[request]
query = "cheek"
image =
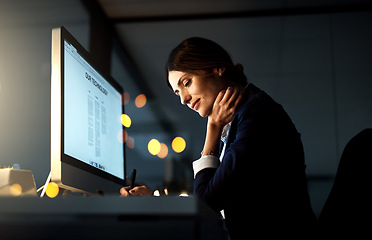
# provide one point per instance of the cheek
(206, 90)
(207, 105)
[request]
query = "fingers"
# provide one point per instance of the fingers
(231, 96)
(140, 190)
(136, 191)
(124, 191)
(220, 96)
(225, 105)
(239, 97)
(229, 92)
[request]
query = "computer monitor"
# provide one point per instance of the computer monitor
(87, 150)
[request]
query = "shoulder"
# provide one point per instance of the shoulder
(255, 100)
(259, 113)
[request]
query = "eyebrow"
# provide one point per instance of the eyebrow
(180, 80)
(179, 83)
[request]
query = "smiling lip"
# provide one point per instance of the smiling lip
(195, 105)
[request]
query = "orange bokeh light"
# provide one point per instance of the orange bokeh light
(15, 189)
(140, 100)
(130, 142)
(163, 151)
(122, 136)
(125, 98)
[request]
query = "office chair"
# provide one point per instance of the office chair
(348, 209)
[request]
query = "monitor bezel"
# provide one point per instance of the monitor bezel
(61, 162)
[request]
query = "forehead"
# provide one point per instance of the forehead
(174, 77)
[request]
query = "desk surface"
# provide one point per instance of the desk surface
(106, 205)
(111, 214)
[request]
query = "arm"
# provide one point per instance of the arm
(223, 111)
(214, 184)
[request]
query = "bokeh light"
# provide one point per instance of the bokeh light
(154, 146)
(140, 100)
(125, 120)
(178, 144)
(156, 193)
(130, 142)
(183, 194)
(125, 98)
(122, 136)
(15, 189)
(52, 190)
(163, 151)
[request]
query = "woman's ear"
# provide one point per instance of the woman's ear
(220, 71)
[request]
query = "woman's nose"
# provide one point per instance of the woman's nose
(185, 98)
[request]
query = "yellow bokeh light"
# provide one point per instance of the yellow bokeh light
(125, 120)
(154, 146)
(163, 151)
(140, 100)
(178, 144)
(52, 190)
(15, 189)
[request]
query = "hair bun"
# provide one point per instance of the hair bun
(239, 74)
(239, 67)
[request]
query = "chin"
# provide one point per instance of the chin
(203, 114)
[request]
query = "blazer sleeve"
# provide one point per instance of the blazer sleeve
(212, 184)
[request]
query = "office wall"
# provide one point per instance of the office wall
(25, 52)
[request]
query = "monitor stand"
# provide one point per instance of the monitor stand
(44, 187)
(62, 191)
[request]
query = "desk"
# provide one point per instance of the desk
(109, 217)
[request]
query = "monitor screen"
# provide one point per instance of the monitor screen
(92, 109)
(89, 154)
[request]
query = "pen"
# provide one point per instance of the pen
(133, 178)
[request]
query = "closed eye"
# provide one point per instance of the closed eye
(187, 82)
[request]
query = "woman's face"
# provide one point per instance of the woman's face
(197, 91)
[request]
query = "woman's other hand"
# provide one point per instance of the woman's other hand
(136, 191)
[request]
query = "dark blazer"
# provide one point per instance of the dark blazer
(261, 181)
(347, 211)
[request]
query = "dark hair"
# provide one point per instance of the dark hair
(195, 54)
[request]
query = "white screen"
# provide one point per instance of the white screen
(92, 112)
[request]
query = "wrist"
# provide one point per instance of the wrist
(214, 126)
(212, 140)
(209, 153)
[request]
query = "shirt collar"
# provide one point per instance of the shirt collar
(225, 132)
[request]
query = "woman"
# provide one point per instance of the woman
(256, 174)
